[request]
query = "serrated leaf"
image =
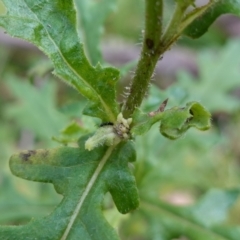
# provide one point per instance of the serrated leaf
(218, 7)
(51, 26)
(92, 15)
(83, 178)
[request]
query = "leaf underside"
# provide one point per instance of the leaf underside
(201, 24)
(51, 26)
(70, 170)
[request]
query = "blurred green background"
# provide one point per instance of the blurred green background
(35, 107)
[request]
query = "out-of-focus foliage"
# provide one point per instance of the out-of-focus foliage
(199, 221)
(36, 110)
(199, 170)
(92, 15)
(213, 85)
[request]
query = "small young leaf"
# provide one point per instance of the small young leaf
(110, 134)
(51, 26)
(143, 122)
(201, 24)
(176, 121)
(83, 178)
(103, 136)
(70, 134)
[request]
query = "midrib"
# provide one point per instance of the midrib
(108, 110)
(86, 191)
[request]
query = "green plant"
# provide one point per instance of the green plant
(100, 162)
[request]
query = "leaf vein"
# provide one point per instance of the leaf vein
(88, 188)
(108, 110)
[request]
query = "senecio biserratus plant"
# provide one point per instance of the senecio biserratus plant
(84, 174)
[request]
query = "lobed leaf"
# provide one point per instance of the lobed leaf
(51, 26)
(175, 121)
(216, 8)
(83, 178)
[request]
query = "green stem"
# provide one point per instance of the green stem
(154, 45)
(174, 23)
(170, 37)
(149, 56)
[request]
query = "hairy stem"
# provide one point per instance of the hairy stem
(155, 44)
(149, 56)
(179, 24)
